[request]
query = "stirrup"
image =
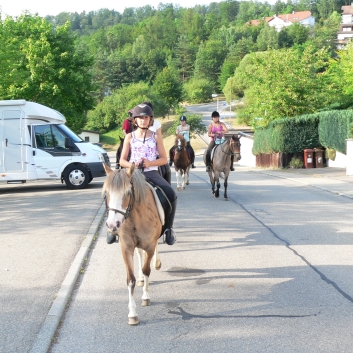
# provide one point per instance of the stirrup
(112, 238)
(192, 165)
(169, 236)
(170, 163)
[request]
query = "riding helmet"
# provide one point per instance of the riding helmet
(183, 118)
(142, 110)
(215, 114)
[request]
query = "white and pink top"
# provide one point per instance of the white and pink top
(141, 148)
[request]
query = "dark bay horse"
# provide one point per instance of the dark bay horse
(132, 212)
(221, 162)
(182, 162)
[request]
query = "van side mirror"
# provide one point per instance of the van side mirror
(68, 143)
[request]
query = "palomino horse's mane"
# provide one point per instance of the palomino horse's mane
(120, 182)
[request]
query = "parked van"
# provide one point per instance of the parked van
(36, 144)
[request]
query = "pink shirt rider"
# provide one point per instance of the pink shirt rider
(217, 130)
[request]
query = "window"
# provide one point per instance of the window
(87, 138)
(49, 136)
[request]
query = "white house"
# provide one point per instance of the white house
(281, 21)
(345, 32)
(90, 136)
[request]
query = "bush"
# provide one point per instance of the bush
(296, 163)
(198, 91)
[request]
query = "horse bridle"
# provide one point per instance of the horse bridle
(128, 210)
(231, 153)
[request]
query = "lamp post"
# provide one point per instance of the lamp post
(214, 96)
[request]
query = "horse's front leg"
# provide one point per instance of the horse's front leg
(140, 258)
(225, 187)
(218, 184)
(183, 180)
(128, 256)
(179, 179)
(212, 180)
(146, 300)
(187, 176)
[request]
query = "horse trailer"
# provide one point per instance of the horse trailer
(37, 145)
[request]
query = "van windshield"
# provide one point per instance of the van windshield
(69, 133)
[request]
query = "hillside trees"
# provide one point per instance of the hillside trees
(281, 83)
(40, 63)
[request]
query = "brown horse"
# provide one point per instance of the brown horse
(182, 162)
(132, 212)
(221, 162)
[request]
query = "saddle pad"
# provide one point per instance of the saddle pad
(213, 151)
(158, 203)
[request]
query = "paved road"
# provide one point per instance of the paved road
(42, 227)
(268, 271)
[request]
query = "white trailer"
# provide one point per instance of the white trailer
(35, 144)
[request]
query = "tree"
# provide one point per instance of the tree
(198, 90)
(209, 60)
(169, 87)
(42, 65)
(282, 83)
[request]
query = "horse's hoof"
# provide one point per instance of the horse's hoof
(187, 183)
(140, 283)
(179, 188)
(158, 266)
(134, 320)
(146, 302)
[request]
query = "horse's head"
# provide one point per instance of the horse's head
(234, 144)
(180, 143)
(119, 190)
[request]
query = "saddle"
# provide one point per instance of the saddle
(162, 202)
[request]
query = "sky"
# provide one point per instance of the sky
(44, 8)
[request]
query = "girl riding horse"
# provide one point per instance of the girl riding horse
(145, 146)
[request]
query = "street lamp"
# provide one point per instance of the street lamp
(214, 96)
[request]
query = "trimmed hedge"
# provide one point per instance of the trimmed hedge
(293, 135)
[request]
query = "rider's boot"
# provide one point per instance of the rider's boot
(169, 234)
(111, 238)
(171, 155)
(208, 162)
(192, 160)
(231, 162)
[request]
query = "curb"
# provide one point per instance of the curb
(47, 331)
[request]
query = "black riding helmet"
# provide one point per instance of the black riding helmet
(143, 110)
(183, 118)
(215, 114)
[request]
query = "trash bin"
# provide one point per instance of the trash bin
(319, 157)
(309, 158)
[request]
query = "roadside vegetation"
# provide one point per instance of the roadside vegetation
(93, 67)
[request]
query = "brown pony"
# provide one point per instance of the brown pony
(182, 162)
(221, 162)
(132, 212)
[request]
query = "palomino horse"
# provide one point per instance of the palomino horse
(182, 162)
(132, 212)
(221, 162)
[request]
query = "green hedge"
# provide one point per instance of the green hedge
(293, 135)
(288, 135)
(335, 128)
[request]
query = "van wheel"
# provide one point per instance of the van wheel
(76, 177)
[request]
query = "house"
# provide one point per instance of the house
(90, 136)
(280, 21)
(345, 32)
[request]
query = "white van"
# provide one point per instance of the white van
(35, 144)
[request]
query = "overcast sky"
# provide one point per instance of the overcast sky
(43, 8)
